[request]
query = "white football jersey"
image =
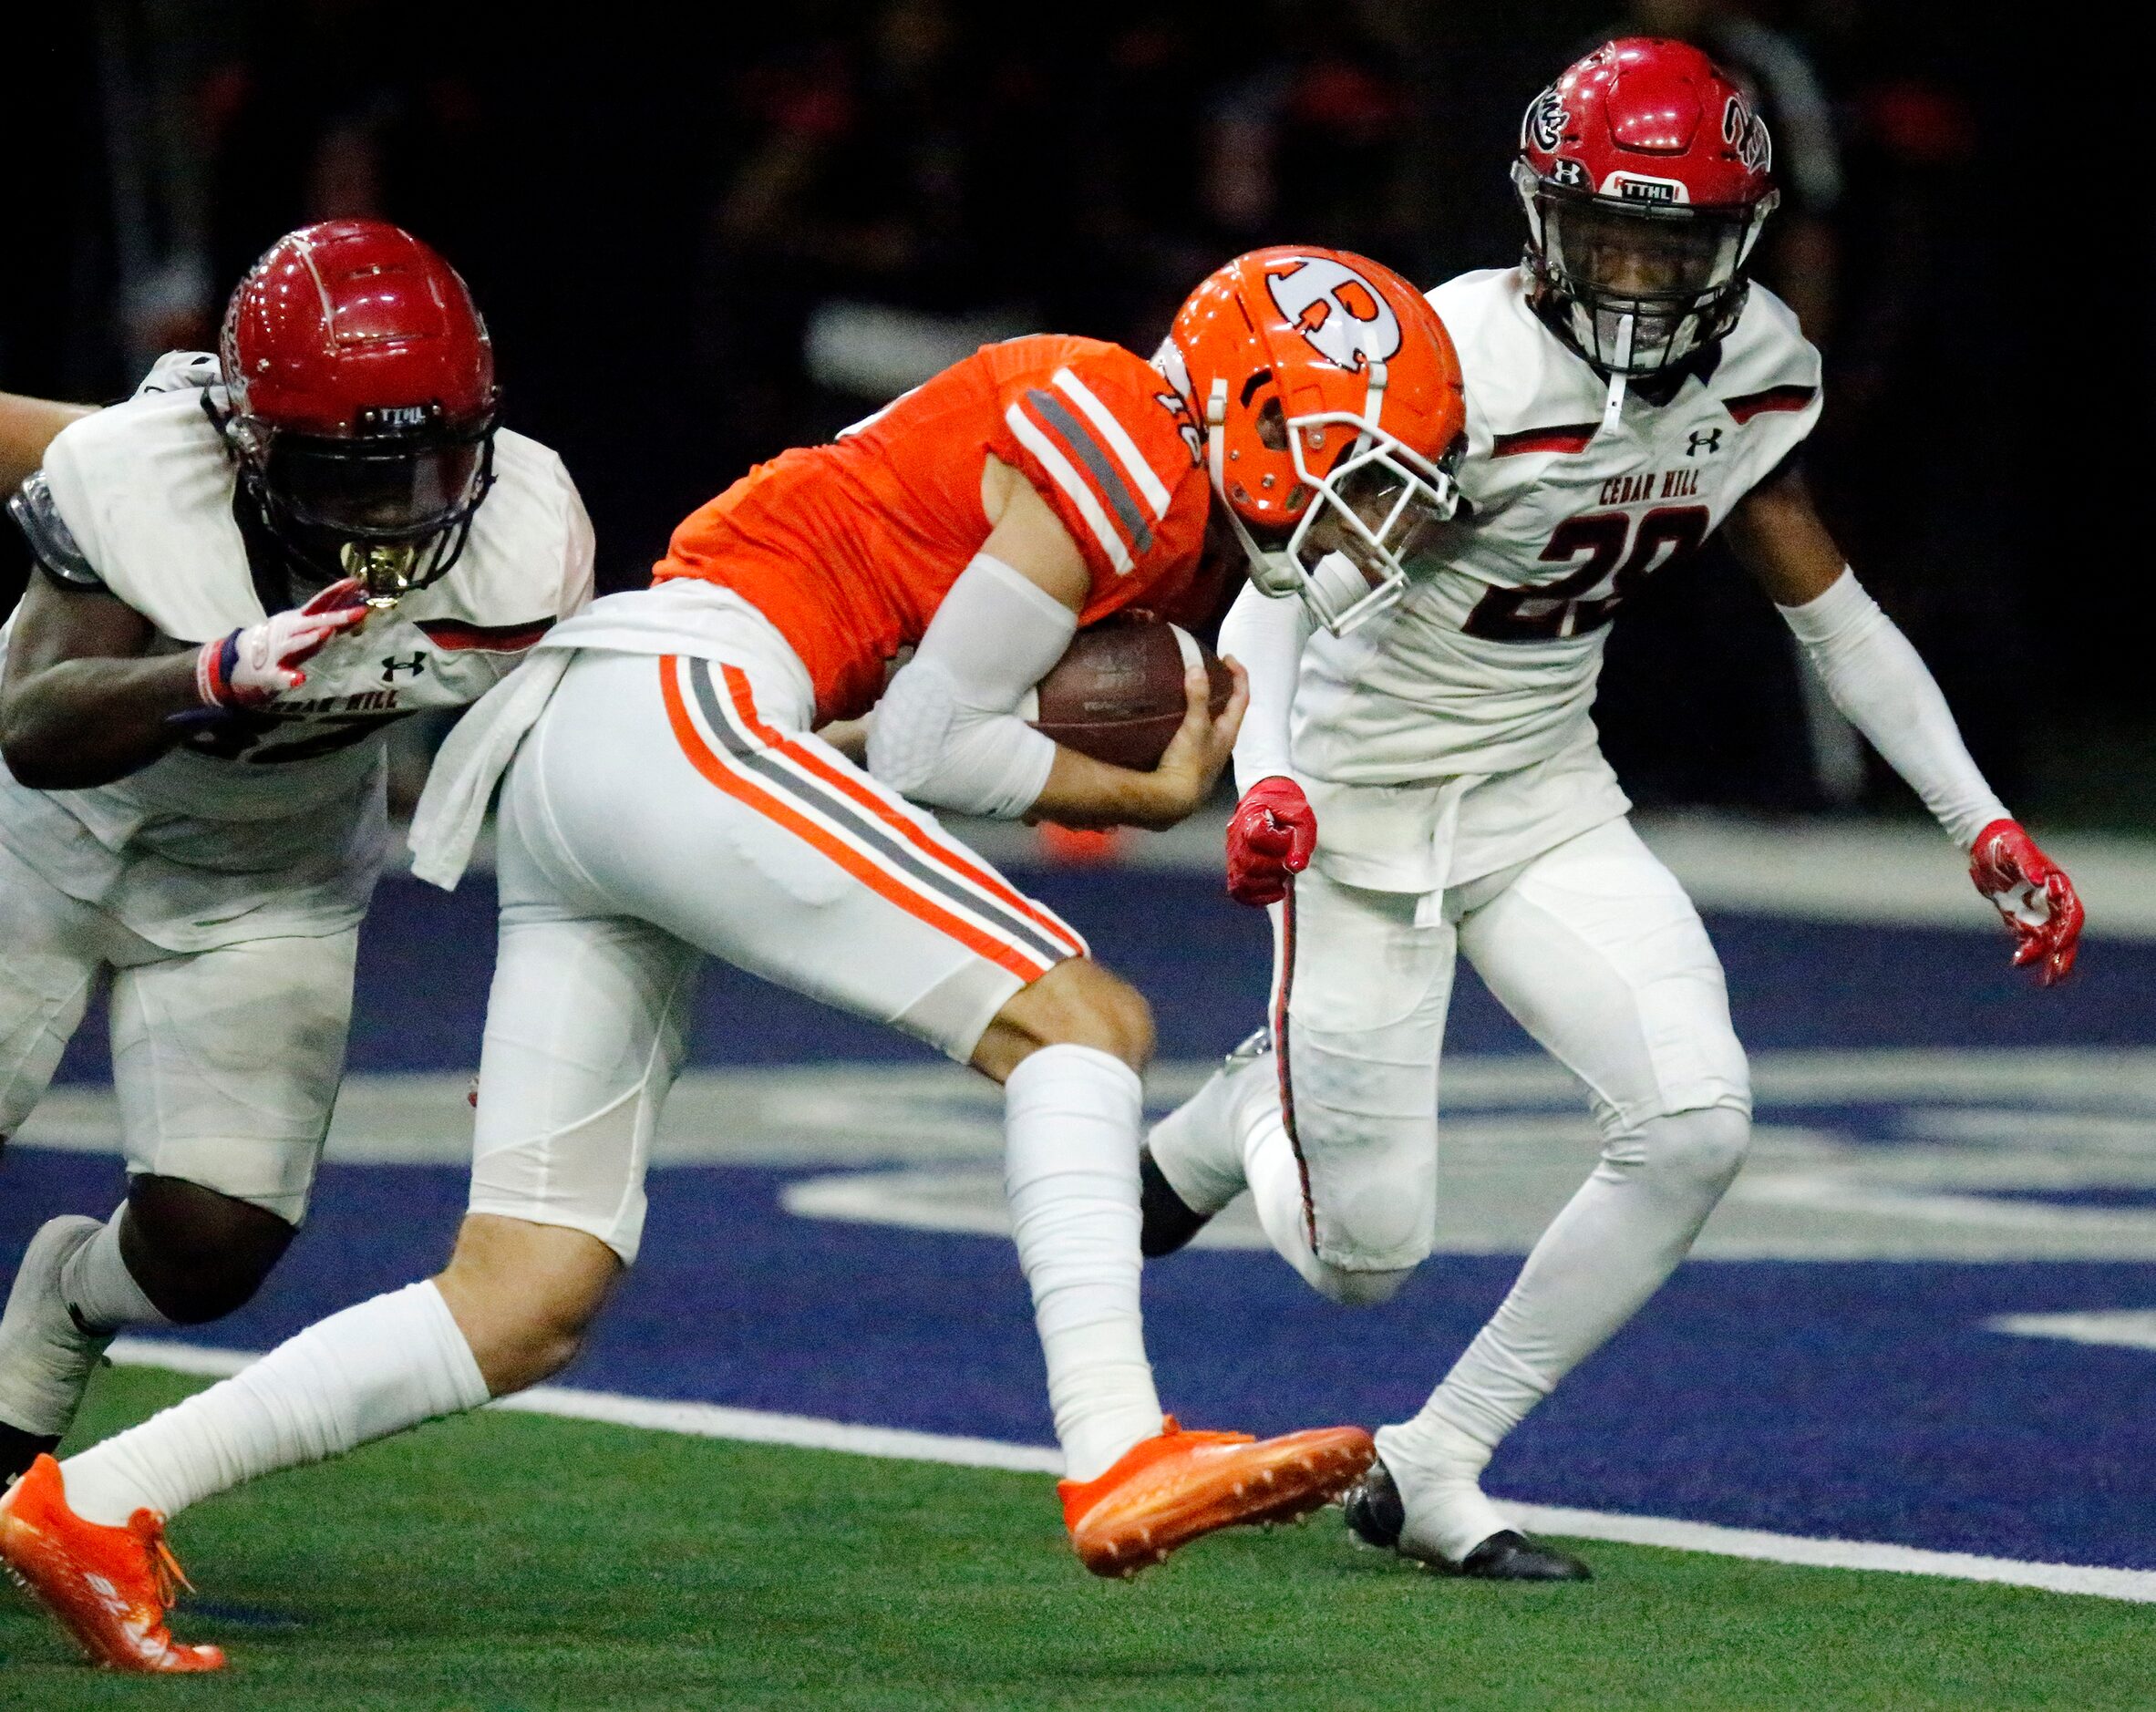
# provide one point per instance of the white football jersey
(1488, 665)
(272, 822)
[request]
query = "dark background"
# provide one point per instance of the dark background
(652, 208)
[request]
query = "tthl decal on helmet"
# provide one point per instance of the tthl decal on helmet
(1345, 318)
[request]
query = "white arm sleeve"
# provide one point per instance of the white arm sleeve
(1885, 690)
(945, 732)
(1268, 635)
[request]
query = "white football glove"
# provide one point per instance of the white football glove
(258, 663)
(176, 371)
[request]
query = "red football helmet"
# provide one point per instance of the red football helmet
(1643, 172)
(1329, 396)
(361, 403)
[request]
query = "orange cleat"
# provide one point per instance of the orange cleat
(107, 1587)
(1168, 1490)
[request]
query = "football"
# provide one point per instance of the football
(1117, 693)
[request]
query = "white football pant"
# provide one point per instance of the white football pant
(666, 808)
(225, 1062)
(1595, 949)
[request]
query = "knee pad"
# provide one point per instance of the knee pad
(1357, 1289)
(1695, 1152)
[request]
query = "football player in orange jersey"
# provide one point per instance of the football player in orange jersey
(668, 799)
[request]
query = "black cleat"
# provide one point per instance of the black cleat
(1375, 1513)
(1167, 1222)
(18, 1450)
(1375, 1516)
(1508, 1556)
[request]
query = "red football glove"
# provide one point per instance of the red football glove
(2035, 896)
(1270, 837)
(257, 665)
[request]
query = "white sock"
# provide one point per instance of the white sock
(96, 1283)
(1439, 1471)
(1603, 1257)
(1071, 1118)
(358, 1376)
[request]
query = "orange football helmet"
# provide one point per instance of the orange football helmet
(1329, 396)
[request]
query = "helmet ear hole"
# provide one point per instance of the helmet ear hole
(1272, 425)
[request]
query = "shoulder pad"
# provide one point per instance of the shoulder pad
(52, 543)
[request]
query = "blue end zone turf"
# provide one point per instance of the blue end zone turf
(426, 956)
(1860, 1398)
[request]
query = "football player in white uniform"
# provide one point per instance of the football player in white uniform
(1420, 776)
(245, 573)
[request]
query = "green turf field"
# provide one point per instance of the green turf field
(513, 1561)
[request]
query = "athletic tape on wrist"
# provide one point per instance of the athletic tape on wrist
(214, 666)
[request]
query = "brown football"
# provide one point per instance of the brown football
(1117, 693)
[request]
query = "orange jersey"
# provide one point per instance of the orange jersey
(849, 548)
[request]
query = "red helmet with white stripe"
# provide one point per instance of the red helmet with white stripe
(1645, 174)
(362, 404)
(1330, 398)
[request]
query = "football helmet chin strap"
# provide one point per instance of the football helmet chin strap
(1339, 592)
(1613, 406)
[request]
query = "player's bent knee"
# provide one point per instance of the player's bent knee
(198, 1254)
(1078, 1003)
(1359, 1289)
(524, 1295)
(1702, 1150)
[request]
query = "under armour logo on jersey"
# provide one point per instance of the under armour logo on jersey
(392, 665)
(1707, 440)
(1338, 309)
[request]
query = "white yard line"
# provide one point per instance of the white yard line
(2138, 1585)
(708, 1420)
(191, 1359)
(2121, 1328)
(804, 1432)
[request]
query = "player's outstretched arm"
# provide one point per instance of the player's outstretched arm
(28, 426)
(26, 429)
(1884, 689)
(1272, 833)
(83, 702)
(80, 702)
